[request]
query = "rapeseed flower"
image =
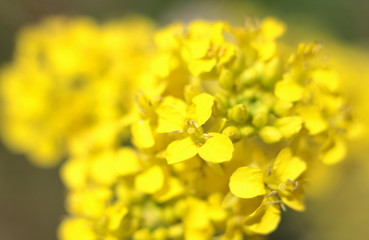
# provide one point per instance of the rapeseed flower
(65, 85)
(224, 126)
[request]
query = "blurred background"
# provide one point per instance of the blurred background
(31, 198)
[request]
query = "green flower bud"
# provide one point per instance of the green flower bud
(239, 61)
(270, 134)
(281, 108)
(226, 79)
(272, 72)
(233, 133)
(221, 104)
(260, 119)
(248, 77)
(247, 131)
(179, 208)
(239, 113)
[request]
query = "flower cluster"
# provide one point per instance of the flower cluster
(70, 81)
(224, 123)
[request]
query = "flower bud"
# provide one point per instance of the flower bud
(239, 113)
(260, 119)
(282, 108)
(221, 104)
(272, 72)
(247, 131)
(239, 61)
(226, 79)
(248, 77)
(233, 133)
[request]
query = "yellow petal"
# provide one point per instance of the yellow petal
(126, 162)
(173, 189)
(314, 122)
(196, 220)
(217, 149)
(288, 167)
(247, 182)
(102, 169)
(270, 134)
(76, 229)
(115, 214)
(333, 151)
(142, 135)
(216, 212)
(326, 79)
(199, 48)
(267, 50)
(197, 66)
(288, 91)
(264, 220)
(201, 109)
(288, 126)
(181, 150)
(171, 115)
(167, 38)
(249, 205)
(89, 202)
(294, 199)
(150, 181)
(272, 28)
(74, 173)
(170, 120)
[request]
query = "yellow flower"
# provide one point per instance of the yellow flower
(224, 125)
(76, 228)
(70, 80)
(174, 117)
(206, 47)
(280, 180)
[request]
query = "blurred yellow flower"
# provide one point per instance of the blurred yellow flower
(198, 131)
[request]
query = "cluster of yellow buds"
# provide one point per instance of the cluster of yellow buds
(224, 124)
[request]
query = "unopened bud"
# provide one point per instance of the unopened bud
(247, 131)
(226, 79)
(221, 104)
(272, 72)
(239, 61)
(233, 133)
(260, 119)
(248, 77)
(281, 108)
(239, 113)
